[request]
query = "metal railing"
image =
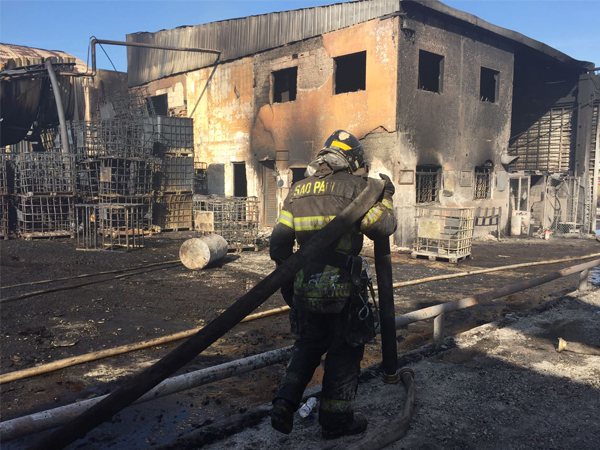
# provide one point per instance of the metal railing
(437, 312)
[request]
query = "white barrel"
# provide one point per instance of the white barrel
(197, 253)
(515, 225)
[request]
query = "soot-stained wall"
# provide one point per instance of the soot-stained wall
(453, 129)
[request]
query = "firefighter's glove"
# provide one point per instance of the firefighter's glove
(389, 188)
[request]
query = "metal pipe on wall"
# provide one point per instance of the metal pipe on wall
(59, 106)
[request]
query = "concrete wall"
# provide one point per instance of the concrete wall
(236, 121)
(175, 89)
(453, 129)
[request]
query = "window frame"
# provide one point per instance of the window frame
(420, 69)
(335, 72)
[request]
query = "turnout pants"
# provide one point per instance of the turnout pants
(320, 333)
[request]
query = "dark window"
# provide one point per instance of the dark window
(350, 73)
(427, 183)
(488, 85)
(483, 182)
(298, 174)
(240, 186)
(200, 179)
(284, 85)
(431, 71)
(160, 104)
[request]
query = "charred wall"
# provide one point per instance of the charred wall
(449, 124)
(237, 118)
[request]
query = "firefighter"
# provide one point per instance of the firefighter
(330, 311)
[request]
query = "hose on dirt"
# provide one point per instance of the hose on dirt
(87, 283)
(94, 356)
(87, 275)
(395, 430)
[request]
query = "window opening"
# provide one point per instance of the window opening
(483, 181)
(488, 85)
(240, 186)
(519, 194)
(284, 85)
(350, 73)
(200, 178)
(298, 174)
(431, 71)
(427, 183)
(160, 104)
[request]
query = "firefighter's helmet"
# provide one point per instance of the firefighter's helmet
(346, 145)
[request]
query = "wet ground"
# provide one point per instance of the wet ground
(57, 325)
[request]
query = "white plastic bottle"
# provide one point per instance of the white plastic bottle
(308, 407)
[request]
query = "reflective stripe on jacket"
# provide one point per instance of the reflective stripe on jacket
(311, 204)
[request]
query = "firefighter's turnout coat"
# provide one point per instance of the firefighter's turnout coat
(323, 285)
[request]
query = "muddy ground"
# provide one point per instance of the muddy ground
(57, 325)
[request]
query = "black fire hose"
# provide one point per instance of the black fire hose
(141, 383)
(395, 430)
(387, 314)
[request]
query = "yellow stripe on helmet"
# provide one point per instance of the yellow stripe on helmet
(341, 145)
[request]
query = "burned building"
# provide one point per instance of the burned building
(443, 102)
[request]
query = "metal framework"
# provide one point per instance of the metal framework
(44, 172)
(427, 183)
(444, 232)
(175, 133)
(4, 199)
(483, 177)
(176, 174)
(125, 177)
(173, 212)
(234, 218)
(109, 226)
(133, 103)
(44, 215)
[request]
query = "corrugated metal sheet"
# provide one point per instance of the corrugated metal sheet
(595, 123)
(546, 144)
(12, 56)
(244, 36)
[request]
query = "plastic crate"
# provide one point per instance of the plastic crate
(174, 132)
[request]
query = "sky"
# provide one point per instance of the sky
(571, 26)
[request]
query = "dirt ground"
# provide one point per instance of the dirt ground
(66, 323)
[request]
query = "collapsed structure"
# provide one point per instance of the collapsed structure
(443, 102)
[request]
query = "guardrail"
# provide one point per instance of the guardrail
(437, 312)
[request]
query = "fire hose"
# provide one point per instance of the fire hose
(138, 385)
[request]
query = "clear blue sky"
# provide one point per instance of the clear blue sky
(571, 26)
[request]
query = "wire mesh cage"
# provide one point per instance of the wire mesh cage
(125, 138)
(109, 226)
(88, 178)
(444, 232)
(176, 174)
(44, 172)
(174, 132)
(234, 218)
(565, 204)
(3, 174)
(88, 140)
(126, 176)
(44, 215)
(173, 212)
(133, 103)
(4, 216)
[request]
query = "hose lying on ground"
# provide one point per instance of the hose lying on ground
(75, 360)
(67, 362)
